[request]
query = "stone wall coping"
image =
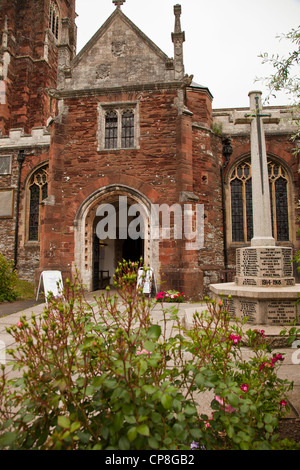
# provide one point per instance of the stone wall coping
(39, 137)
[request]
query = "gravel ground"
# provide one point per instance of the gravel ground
(290, 428)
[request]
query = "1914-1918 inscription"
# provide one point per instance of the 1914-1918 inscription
(264, 267)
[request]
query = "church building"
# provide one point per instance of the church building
(121, 127)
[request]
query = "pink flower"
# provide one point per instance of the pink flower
(245, 387)
(266, 365)
(19, 324)
(144, 351)
(277, 357)
(234, 338)
(260, 333)
(283, 403)
(227, 408)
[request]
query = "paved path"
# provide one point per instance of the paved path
(289, 369)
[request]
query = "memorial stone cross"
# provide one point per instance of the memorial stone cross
(118, 3)
(261, 204)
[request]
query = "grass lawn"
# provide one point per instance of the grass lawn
(24, 290)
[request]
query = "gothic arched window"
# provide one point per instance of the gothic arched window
(241, 201)
(54, 19)
(38, 191)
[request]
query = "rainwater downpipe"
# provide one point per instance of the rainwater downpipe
(20, 160)
(227, 152)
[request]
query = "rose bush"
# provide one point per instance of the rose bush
(105, 377)
(7, 280)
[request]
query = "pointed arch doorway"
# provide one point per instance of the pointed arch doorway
(128, 226)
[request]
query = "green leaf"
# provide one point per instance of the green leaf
(84, 437)
(190, 410)
(149, 345)
(153, 443)
(244, 445)
(132, 433)
(154, 332)
(269, 428)
(143, 430)
(268, 418)
(75, 426)
(166, 401)
(8, 438)
(200, 379)
(196, 433)
(149, 389)
(233, 399)
(178, 429)
(64, 422)
(124, 443)
(118, 421)
(28, 418)
(97, 381)
(230, 432)
(143, 367)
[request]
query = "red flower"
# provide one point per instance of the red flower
(234, 338)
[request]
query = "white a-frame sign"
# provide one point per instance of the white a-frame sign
(52, 282)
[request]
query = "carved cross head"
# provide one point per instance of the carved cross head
(118, 3)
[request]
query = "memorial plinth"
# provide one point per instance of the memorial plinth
(264, 267)
(264, 290)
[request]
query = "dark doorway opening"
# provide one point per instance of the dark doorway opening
(133, 250)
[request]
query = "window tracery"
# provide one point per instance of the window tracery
(38, 191)
(54, 19)
(241, 201)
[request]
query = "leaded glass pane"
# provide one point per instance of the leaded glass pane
(38, 191)
(249, 210)
(282, 218)
(34, 213)
(237, 211)
(111, 130)
(128, 129)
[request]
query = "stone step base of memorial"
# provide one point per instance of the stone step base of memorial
(261, 305)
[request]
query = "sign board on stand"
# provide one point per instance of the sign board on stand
(52, 282)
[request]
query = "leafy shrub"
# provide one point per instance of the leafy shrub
(106, 378)
(7, 280)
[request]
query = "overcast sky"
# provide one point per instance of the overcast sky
(223, 38)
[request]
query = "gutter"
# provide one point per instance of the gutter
(20, 159)
(227, 152)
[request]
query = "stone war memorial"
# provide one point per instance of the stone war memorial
(264, 289)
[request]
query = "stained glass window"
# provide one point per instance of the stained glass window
(38, 191)
(241, 201)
